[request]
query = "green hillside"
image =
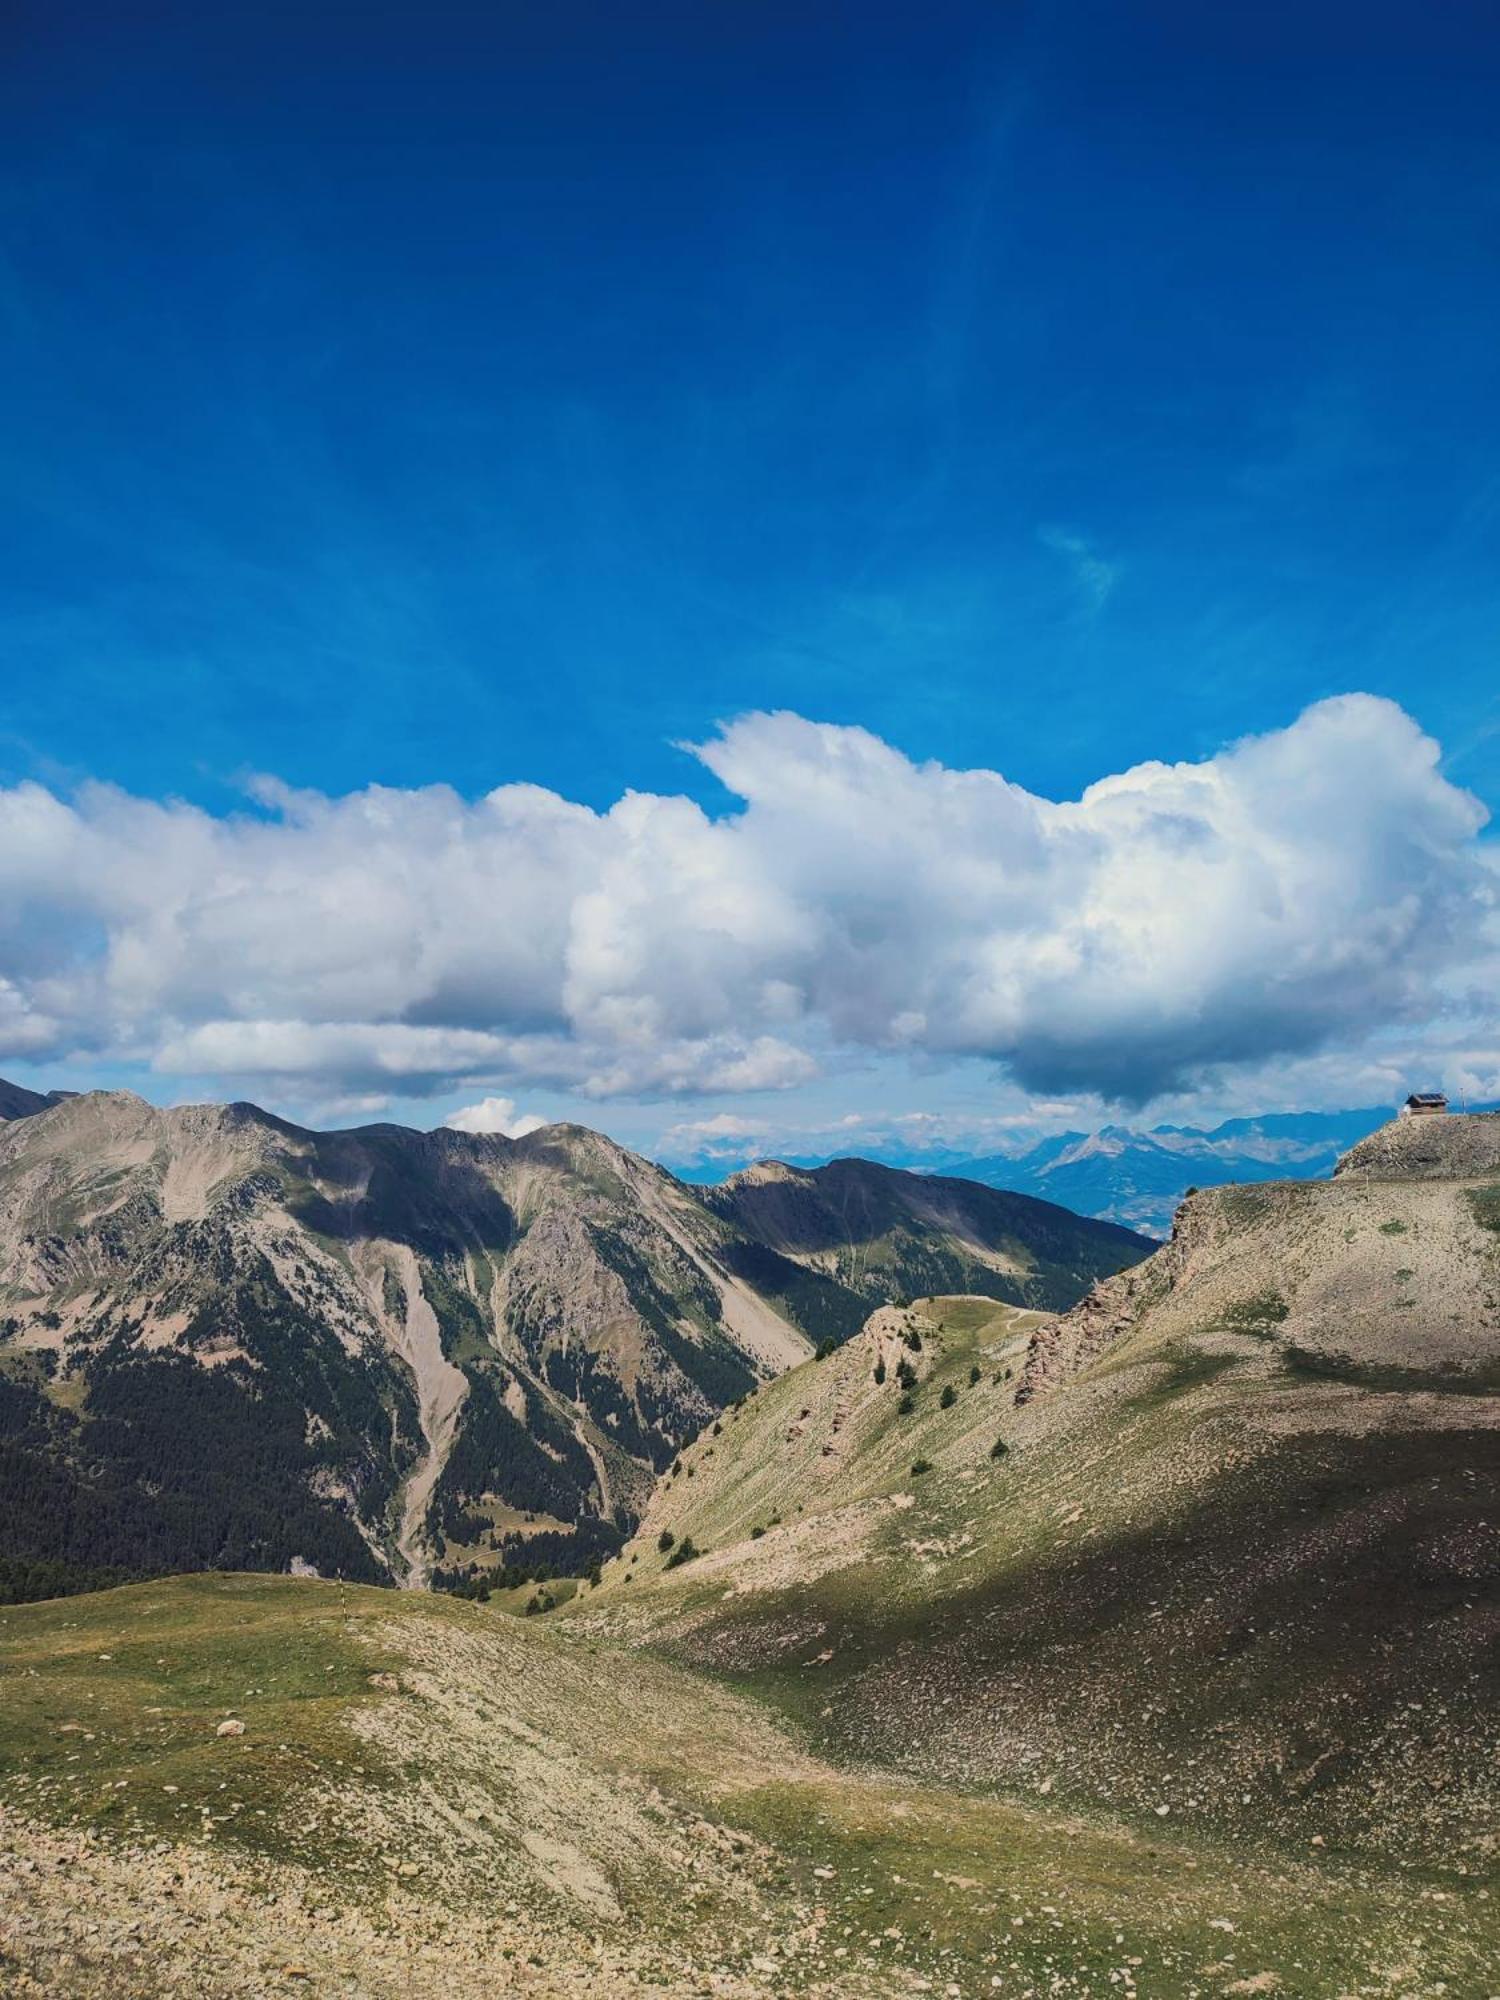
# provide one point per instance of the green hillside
(881, 1233)
(430, 1799)
(1221, 1541)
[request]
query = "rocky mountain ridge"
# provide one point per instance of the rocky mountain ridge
(227, 1340)
(1405, 1226)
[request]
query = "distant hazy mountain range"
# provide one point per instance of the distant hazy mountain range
(1139, 1177)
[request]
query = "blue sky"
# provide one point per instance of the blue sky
(475, 396)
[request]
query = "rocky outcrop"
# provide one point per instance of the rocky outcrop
(1206, 1223)
(1062, 1347)
(1329, 1270)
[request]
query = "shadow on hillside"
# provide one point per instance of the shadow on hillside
(1331, 1610)
(415, 1188)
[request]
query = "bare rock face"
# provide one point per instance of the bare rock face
(1449, 1146)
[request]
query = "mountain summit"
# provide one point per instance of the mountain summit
(229, 1341)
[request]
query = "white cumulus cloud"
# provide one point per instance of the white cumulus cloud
(724, 1136)
(494, 1114)
(1299, 891)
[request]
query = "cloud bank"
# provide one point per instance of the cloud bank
(1298, 891)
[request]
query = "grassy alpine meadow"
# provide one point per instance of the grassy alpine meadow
(1199, 1622)
(511, 1792)
(113, 1704)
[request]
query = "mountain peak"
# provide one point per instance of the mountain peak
(456, 1346)
(765, 1173)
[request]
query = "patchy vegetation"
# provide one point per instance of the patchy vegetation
(1230, 1572)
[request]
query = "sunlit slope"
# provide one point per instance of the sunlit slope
(1237, 1565)
(823, 1455)
(1386, 1276)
